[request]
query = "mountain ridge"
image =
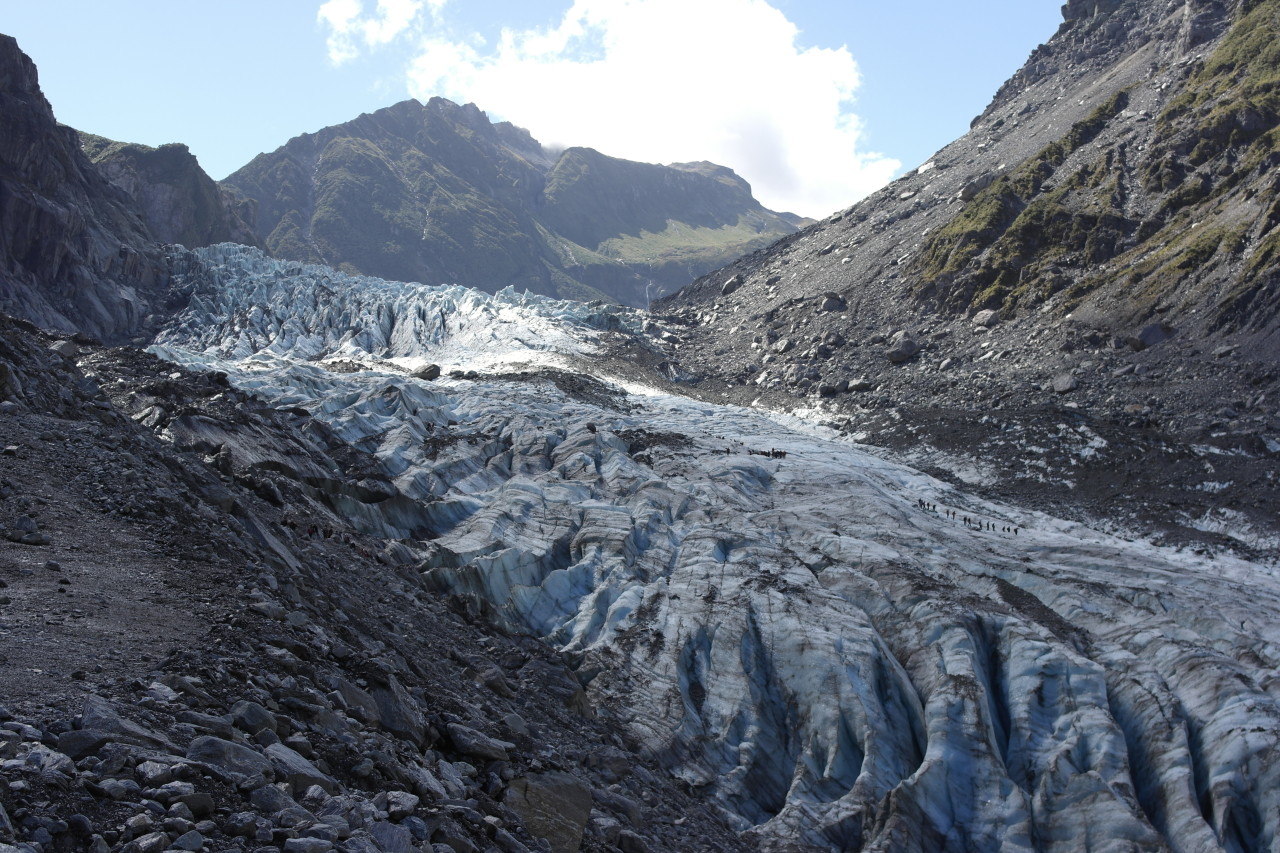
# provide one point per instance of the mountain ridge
(458, 199)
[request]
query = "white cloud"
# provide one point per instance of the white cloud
(350, 28)
(658, 81)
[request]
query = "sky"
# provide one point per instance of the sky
(816, 103)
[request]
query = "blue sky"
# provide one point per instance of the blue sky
(815, 102)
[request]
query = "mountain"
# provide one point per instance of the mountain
(77, 256)
(179, 201)
(1097, 256)
(345, 563)
(437, 193)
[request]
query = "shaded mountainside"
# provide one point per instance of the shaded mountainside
(437, 193)
(179, 201)
(1099, 251)
(77, 256)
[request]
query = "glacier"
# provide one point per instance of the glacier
(849, 654)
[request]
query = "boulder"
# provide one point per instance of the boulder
(471, 742)
(986, 318)
(731, 285)
(833, 302)
(902, 348)
(252, 717)
(1150, 336)
(1065, 383)
(398, 712)
(300, 772)
(555, 806)
(429, 372)
(238, 762)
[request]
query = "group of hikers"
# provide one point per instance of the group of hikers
(971, 523)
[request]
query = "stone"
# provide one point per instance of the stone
(471, 742)
(191, 841)
(81, 742)
(99, 714)
(1064, 383)
(632, 842)
(307, 845)
(553, 805)
(391, 838)
(398, 711)
(239, 762)
(400, 804)
(731, 285)
(833, 302)
(428, 372)
(902, 348)
(357, 702)
(66, 349)
(986, 318)
(252, 717)
(300, 772)
(1150, 335)
(152, 842)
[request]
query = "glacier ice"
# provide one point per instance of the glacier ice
(842, 665)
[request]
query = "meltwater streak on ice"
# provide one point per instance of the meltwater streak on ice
(845, 667)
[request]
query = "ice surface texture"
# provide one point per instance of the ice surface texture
(843, 664)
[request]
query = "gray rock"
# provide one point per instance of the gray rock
(252, 717)
(6, 825)
(902, 348)
(833, 302)
(400, 804)
(555, 806)
(471, 742)
(427, 372)
(632, 842)
(239, 762)
(391, 838)
(307, 845)
(300, 772)
(975, 186)
(1150, 336)
(82, 742)
(152, 842)
(188, 841)
(66, 349)
(358, 702)
(1065, 383)
(986, 318)
(398, 712)
(99, 714)
(731, 285)
(154, 773)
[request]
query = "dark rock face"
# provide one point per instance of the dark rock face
(77, 256)
(180, 203)
(436, 193)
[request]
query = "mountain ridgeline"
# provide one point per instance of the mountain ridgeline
(437, 193)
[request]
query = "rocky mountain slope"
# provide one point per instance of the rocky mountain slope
(178, 200)
(77, 256)
(437, 193)
(1095, 257)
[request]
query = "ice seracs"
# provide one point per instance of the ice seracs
(851, 654)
